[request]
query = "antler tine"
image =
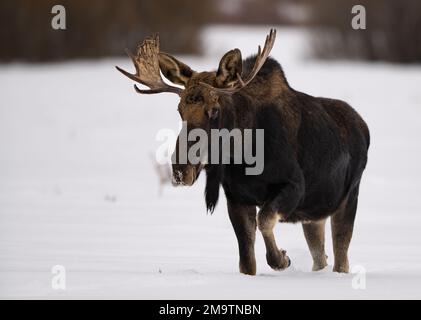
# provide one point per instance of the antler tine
(261, 57)
(146, 63)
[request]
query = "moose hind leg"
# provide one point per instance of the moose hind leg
(342, 223)
(243, 219)
(276, 259)
(314, 233)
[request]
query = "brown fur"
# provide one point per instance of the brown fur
(316, 158)
(315, 149)
(314, 233)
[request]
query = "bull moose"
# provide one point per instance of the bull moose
(315, 149)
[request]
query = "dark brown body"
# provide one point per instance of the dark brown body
(315, 154)
(315, 149)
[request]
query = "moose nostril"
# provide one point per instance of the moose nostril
(179, 175)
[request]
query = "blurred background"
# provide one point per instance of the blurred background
(100, 28)
(80, 186)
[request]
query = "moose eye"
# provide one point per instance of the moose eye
(194, 98)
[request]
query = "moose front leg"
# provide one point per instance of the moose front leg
(270, 213)
(243, 219)
(276, 259)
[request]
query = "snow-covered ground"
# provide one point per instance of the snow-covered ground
(78, 187)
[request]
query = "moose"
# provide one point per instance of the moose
(315, 149)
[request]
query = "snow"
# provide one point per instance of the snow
(78, 187)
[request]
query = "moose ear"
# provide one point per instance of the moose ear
(174, 70)
(230, 65)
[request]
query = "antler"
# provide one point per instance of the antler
(146, 63)
(260, 60)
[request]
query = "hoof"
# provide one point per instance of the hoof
(320, 264)
(341, 269)
(279, 260)
(341, 266)
(251, 271)
(318, 267)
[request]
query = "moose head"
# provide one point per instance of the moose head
(204, 95)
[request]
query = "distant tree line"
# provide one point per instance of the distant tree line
(393, 30)
(98, 27)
